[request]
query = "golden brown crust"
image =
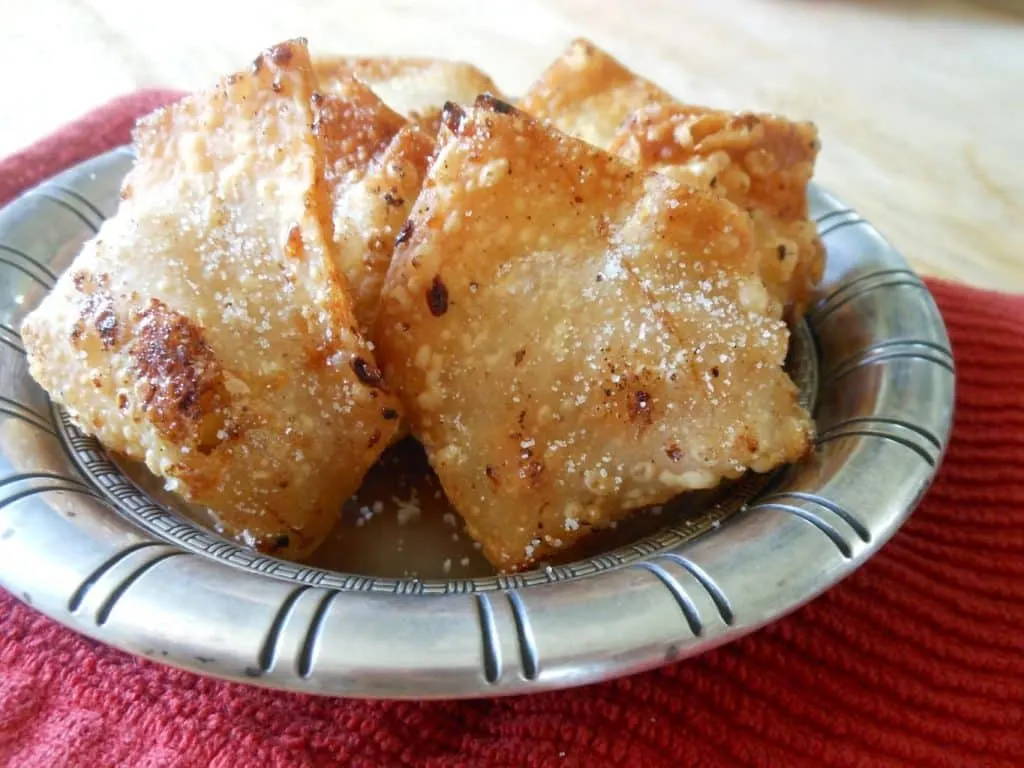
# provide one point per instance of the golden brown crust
(762, 163)
(206, 330)
(587, 93)
(375, 162)
(183, 383)
(574, 338)
(416, 87)
(353, 125)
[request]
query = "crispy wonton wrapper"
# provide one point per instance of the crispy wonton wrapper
(205, 330)
(574, 338)
(375, 162)
(588, 93)
(416, 87)
(762, 163)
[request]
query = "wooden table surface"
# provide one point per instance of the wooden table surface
(920, 104)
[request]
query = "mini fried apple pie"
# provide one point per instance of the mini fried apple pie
(206, 331)
(574, 338)
(762, 163)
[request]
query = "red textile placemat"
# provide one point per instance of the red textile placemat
(916, 659)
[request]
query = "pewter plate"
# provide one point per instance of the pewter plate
(93, 544)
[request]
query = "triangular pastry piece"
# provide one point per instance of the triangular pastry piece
(587, 93)
(574, 338)
(205, 330)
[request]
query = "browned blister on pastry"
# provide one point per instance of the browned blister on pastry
(375, 162)
(416, 87)
(588, 93)
(205, 330)
(574, 338)
(762, 163)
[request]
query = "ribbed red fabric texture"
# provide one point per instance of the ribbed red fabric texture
(916, 659)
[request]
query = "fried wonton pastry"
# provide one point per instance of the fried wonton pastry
(587, 93)
(762, 163)
(375, 162)
(205, 329)
(416, 87)
(574, 338)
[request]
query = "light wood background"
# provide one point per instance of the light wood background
(920, 104)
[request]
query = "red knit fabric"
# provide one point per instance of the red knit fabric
(917, 659)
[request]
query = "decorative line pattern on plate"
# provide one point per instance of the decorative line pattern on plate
(714, 592)
(52, 277)
(916, 447)
(847, 292)
(895, 349)
(678, 592)
(75, 602)
(268, 651)
(42, 194)
(814, 519)
(20, 411)
(488, 638)
(307, 654)
(833, 214)
(10, 343)
(450, 587)
(24, 270)
(835, 226)
(22, 476)
(103, 613)
(833, 220)
(887, 421)
(11, 338)
(80, 198)
(69, 485)
(847, 517)
(524, 633)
